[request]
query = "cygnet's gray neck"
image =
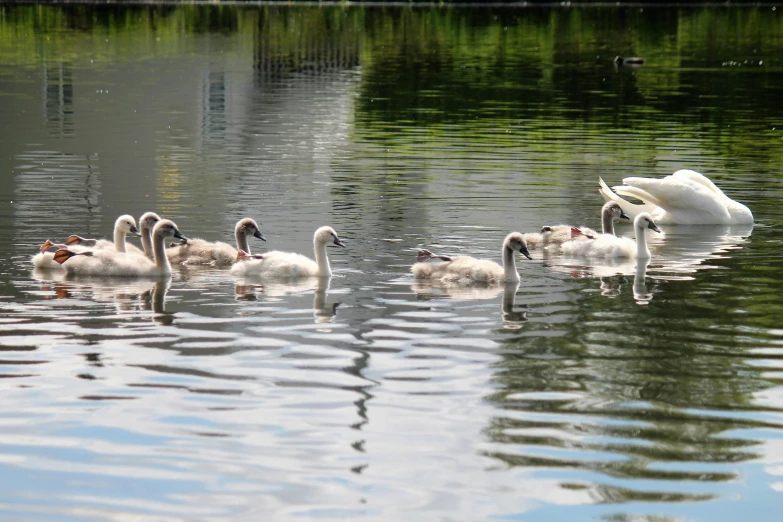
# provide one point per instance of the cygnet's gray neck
(241, 237)
(607, 222)
(161, 259)
(146, 242)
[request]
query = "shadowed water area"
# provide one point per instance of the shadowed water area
(590, 391)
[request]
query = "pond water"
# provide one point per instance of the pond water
(627, 392)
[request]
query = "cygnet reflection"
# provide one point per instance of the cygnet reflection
(611, 286)
(640, 292)
(681, 250)
(253, 289)
(127, 295)
(513, 315)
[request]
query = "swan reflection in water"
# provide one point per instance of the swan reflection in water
(513, 315)
(127, 295)
(251, 288)
(683, 251)
(612, 285)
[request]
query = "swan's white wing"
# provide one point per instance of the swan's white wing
(631, 209)
(692, 175)
(635, 192)
(740, 214)
(691, 201)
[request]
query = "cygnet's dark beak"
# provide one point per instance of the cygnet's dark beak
(523, 250)
(653, 226)
(259, 235)
(338, 242)
(179, 235)
(135, 231)
(623, 215)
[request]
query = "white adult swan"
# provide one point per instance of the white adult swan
(217, 253)
(556, 235)
(106, 263)
(287, 265)
(685, 197)
(470, 270)
(124, 225)
(609, 246)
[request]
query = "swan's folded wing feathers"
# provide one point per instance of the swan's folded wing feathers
(697, 177)
(635, 192)
(631, 209)
(681, 193)
(605, 191)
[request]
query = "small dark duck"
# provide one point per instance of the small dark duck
(633, 61)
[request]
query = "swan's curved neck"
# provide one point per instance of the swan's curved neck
(241, 238)
(146, 242)
(321, 259)
(642, 252)
(509, 265)
(161, 259)
(119, 239)
(607, 223)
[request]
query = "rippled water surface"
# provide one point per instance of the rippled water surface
(589, 391)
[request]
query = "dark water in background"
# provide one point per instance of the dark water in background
(588, 392)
